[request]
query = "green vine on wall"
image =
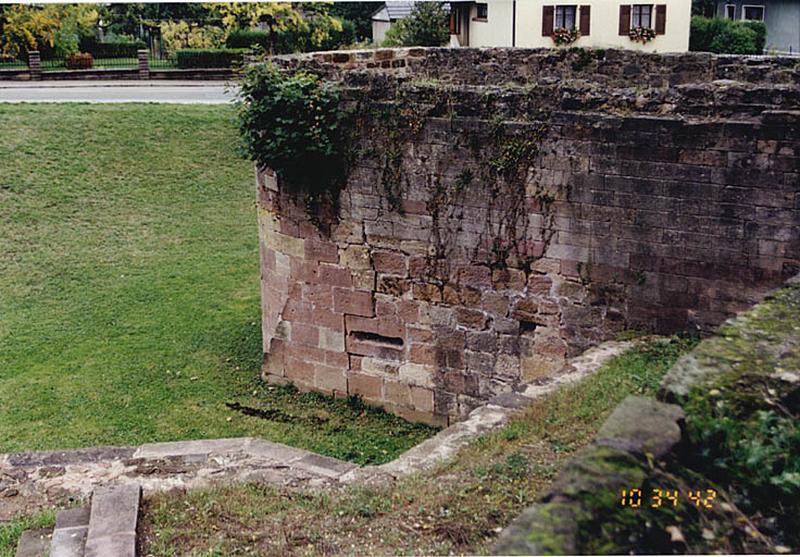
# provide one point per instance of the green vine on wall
(511, 154)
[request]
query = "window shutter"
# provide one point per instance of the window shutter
(584, 27)
(661, 19)
(547, 20)
(624, 19)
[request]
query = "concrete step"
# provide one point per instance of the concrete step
(34, 543)
(69, 536)
(112, 521)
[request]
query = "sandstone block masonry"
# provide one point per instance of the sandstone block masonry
(506, 209)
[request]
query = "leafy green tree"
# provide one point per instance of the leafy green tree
(292, 27)
(359, 13)
(426, 26)
(704, 8)
(50, 28)
(128, 19)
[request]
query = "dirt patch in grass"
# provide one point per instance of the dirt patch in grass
(458, 507)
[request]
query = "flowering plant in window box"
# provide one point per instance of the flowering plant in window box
(563, 36)
(642, 34)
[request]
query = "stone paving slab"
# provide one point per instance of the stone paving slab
(325, 465)
(73, 456)
(72, 518)
(188, 448)
(34, 543)
(69, 535)
(113, 520)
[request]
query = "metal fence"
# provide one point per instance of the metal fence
(61, 64)
(9, 63)
(161, 61)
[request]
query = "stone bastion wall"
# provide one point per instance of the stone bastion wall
(506, 209)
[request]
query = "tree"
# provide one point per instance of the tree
(360, 13)
(427, 25)
(704, 8)
(127, 19)
(292, 27)
(177, 35)
(51, 28)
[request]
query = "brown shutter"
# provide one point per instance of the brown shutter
(548, 15)
(624, 19)
(584, 27)
(453, 12)
(661, 19)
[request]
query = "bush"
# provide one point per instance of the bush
(293, 125)
(112, 49)
(295, 40)
(248, 39)
(725, 36)
(426, 26)
(209, 57)
(79, 61)
(177, 35)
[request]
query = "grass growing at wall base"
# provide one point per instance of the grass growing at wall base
(457, 508)
(129, 288)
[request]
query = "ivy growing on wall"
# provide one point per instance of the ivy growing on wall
(293, 124)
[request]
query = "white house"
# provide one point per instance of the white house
(662, 27)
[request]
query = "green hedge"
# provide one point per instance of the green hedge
(247, 39)
(726, 36)
(112, 50)
(209, 57)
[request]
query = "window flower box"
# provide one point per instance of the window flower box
(642, 34)
(562, 36)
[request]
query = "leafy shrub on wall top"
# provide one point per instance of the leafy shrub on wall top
(293, 125)
(725, 36)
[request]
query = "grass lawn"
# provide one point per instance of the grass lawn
(457, 508)
(129, 288)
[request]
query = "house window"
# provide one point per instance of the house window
(730, 11)
(482, 11)
(753, 13)
(641, 16)
(565, 17)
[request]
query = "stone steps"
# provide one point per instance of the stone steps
(106, 528)
(34, 543)
(69, 536)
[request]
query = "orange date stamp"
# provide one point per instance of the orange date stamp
(635, 498)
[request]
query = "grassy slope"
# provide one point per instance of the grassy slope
(457, 508)
(129, 299)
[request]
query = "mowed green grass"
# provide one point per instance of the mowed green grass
(129, 288)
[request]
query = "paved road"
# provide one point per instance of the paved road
(182, 92)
